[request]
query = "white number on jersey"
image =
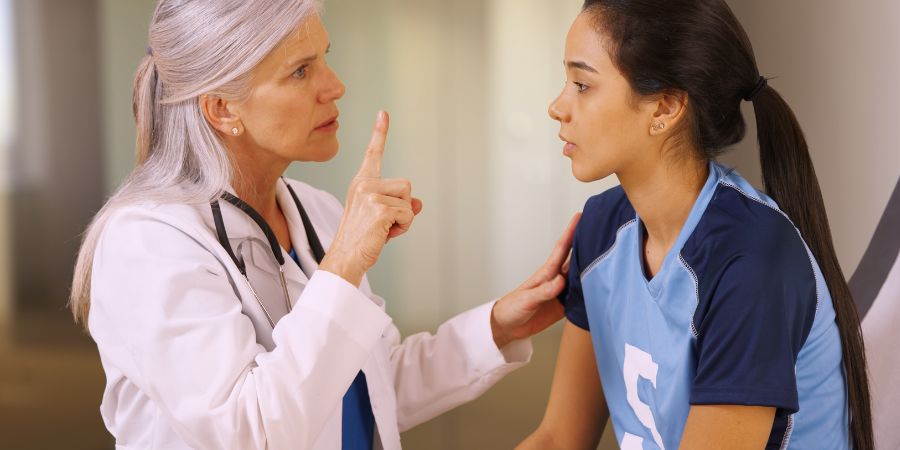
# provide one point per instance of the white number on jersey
(639, 364)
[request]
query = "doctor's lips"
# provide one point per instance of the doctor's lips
(329, 125)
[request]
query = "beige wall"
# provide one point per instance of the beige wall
(123, 41)
(7, 125)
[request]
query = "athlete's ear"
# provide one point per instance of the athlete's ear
(670, 112)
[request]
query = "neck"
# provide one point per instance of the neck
(255, 183)
(663, 195)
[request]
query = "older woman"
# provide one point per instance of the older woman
(220, 318)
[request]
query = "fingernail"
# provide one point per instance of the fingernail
(381, 116)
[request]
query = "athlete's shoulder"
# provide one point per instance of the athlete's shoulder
(608, 207)
(746, 250)
(601, 219)
(608, 210)
(604, 215)
(742, 221)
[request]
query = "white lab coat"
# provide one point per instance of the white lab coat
(192, 362)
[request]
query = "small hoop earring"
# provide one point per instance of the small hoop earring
(235, 131)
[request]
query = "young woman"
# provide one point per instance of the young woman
(229, 305)
(701, 313)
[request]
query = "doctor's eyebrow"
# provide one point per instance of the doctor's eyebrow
(579, 65)
(307, 59)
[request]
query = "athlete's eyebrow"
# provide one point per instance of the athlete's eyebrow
(580, 65)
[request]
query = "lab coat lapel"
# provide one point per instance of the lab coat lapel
(298, 232)
(250, 243)
(297, 280)
(324, 229)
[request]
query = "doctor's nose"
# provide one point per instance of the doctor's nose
(334, 88)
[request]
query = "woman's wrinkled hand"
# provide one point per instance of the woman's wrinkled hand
(375, 211)
(533, 306)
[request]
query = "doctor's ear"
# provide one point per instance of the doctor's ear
(218, 113)
(671, 111)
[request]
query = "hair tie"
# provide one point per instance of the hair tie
(760, 85)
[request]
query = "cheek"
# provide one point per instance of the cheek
(609, 137)
(295, 117)
(279, 113)
(287, 126)
(282, 121)
(613, 128)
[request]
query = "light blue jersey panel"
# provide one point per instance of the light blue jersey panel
(631, 345)
(737, 314)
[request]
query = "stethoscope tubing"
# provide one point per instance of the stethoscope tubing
(222, 235)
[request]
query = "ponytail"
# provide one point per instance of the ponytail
(790, 179)
(144, 102)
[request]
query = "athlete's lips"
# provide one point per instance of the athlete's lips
(569, 146)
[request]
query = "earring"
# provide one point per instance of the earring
(235, 131)
(658, 126)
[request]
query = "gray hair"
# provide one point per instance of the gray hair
(197, 47)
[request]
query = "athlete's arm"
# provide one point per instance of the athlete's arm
(576, 412)
(727, 426)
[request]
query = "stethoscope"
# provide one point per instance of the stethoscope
(311, 236)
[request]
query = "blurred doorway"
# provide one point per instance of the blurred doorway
(50, 131)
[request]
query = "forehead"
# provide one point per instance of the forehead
(309, 38)
(584, 43)
(306, 37)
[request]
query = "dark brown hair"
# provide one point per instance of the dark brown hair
(699, 47)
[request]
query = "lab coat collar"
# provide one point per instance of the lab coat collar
(244, 227)
(240, 227)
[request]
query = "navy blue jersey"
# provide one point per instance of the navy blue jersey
(738, 314)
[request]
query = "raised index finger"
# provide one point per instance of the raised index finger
(371, 165)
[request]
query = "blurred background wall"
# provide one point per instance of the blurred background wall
(467, 83)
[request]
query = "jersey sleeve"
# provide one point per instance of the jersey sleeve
(572, 296)
(596, 232)
(751, 323)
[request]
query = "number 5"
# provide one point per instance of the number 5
(639, 364)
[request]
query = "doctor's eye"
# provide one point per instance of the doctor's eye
(300, 73)
(580, 87)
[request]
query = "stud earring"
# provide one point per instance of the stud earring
(235, 131)
(658, 126)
